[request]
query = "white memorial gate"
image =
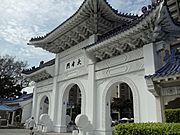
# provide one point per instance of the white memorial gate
(97, 50)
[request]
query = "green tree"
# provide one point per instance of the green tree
(119, 104)
(11, 80)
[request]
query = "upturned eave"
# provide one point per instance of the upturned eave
(44, 71)
(153, 26)
(135, 35)
(61, 39)
(40, 75)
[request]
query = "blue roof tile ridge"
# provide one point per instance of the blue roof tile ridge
(171, 67)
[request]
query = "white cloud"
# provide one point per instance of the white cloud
(129, 6)
(22, 19)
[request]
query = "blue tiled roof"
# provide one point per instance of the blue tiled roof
(20, 99)
(34, 69)
(172, 66)
(6, 108)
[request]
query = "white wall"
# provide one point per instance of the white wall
(94, 81)
(26, 110)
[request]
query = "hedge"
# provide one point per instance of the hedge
(148, 129)
(172, 115)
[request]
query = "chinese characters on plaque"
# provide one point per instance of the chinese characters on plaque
(74, 63)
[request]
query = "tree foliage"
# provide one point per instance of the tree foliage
(172, 115)
(11, 80)
(148, 129)
(120, 104)
(123, 106)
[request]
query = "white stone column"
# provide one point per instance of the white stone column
(91, 94)
(149, 58)
(54, 97)
(61, 123)
(119, 91)
(13, 116)
(152, 59)
(149, 105)
(9, 116)
(152, 62)
(34, 104)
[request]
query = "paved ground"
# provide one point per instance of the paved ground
(25, 132)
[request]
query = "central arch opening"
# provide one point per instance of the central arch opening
(118, 105)
(121, 104)
(73, 107)
(44, 106)
(74, 102)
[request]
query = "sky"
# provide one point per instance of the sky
(22, 19)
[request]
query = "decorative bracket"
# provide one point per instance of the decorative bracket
(152, 88)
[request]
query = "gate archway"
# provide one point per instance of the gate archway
(44, 106)
(106, 119)
(121, 103)
(72, 105)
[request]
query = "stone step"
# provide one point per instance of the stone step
(13, 130)
(40, 133)
(26, 132)
(58, 134)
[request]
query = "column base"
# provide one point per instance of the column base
(60, 128)
(103, 132)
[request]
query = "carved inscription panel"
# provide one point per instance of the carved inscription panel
(75, 63)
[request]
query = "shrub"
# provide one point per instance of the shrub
(172, 115)
(148, 129)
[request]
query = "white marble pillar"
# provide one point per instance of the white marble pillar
(152, 62)
(13, 116)
(34, 105)
(91, 92)
(118, 91)
(91, 98)
(54, 100)
(152, 58)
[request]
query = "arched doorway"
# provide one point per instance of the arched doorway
(111, 89)
(73, 107)
(121, 106)
(44, 106)
(72, 102)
